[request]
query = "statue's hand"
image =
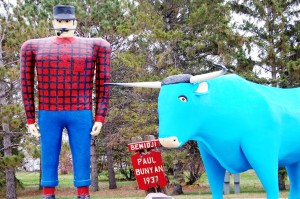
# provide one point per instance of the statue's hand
(33, 130)
(96, 128)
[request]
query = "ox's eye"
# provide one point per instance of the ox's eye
(183, 98)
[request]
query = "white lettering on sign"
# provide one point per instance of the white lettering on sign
(158, 169)
(149, 170)
(143, 145)
(143, 171)
(152, 179)
(147, 160)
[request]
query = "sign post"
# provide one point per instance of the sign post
(148, 167)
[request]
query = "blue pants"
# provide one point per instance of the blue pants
(79, 126)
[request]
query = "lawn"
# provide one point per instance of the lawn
(250, 188)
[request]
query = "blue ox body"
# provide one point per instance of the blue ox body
(239, 125)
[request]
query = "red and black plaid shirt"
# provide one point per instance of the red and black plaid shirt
(65, 72)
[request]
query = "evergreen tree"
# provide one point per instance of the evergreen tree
(10, 108)
(293, 65)
(271, 29)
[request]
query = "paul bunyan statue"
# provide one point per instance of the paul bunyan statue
(65, 66)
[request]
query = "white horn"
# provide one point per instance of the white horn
(203, 77)
(138, 84)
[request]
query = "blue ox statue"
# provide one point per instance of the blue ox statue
(239, 125)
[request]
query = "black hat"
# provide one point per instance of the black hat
(64, 12)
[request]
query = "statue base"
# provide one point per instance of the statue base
(158, 196)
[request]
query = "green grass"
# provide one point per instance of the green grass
(31, 179)
(249, 184)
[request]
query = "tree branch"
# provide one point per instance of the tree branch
(11, 62)
(14, 134)
(11, 146)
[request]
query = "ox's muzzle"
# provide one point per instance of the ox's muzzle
(169, 142)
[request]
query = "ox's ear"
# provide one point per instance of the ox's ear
(202, 88)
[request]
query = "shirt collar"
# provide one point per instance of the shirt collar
(63, 40)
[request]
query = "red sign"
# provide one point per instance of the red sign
(143, 145)
(148, 170)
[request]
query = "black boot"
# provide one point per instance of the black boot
(48, 197)
(83, 197)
